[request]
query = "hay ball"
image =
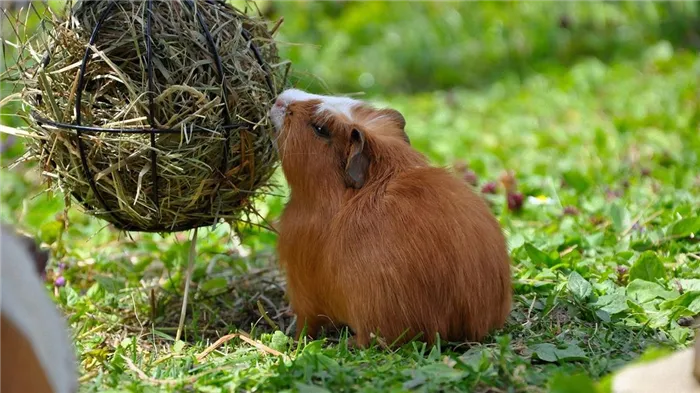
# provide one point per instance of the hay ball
(164, 126)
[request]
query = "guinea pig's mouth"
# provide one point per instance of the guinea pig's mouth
(277, 112)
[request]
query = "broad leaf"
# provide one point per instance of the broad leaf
(620, 217)
(578, 383)
(643, 291)
(550, 353)
(648, 267)
(685, 227)
(577, 180)
(613, 303)
(579, 287)
(538, 257)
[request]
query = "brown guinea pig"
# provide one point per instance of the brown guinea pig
(375, 238)
(678, 372)
(36, 354)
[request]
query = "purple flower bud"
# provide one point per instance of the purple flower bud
(60, 281)
(489, 188)
(570, 211)
(515, 201)
(471, 177)
(611, 194)
(62, 266)
(638, 228)
(7, 143)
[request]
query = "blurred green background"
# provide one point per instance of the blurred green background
(595, 107)
(407, 47)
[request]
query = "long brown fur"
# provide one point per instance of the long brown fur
(375, 238)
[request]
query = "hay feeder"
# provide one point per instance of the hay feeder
(152, 114)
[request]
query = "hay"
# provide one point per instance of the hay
(210, 164)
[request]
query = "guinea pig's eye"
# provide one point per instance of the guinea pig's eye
(322, 131)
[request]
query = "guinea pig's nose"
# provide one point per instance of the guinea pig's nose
(279, 103)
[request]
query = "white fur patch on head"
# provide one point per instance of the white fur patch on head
(337, 105)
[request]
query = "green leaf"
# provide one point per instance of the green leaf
(651, 354)
(613, 303)
(279, 341)
(110, 284)
(208, 389)
(214, 283)
(691, 284)
(477, 359)
(579, 287)
(550, 353)
(538, 257)
(172, 282)
(178, 346)
(603, 315)
(620, 217)
(659, 319)
(126, 342)
(95, 293)
(516, 241)
(578, 383)
(416, 381)
(441, 372)
(641, 245)
(304, 388)
(639, 313)
(545, 352)
(314, 347)
(643, 291)
(41, 211)
(327, 362)
(680, 334)
(648, 267)
(50, 231)
(685, 227)
(595, 240)
(689, 300)
(72, 297)
(577, 180)
(571, 353)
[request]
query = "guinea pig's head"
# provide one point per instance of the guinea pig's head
(328, 139)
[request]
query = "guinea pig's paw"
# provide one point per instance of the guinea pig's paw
(361, 341)
(353, 343)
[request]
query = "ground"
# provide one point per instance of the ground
(605, 254)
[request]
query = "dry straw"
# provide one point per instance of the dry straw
(162, 134)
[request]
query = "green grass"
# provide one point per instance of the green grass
(594, 290)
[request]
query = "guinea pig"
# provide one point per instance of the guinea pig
(678, 372)
(375, 238)
(696, 357)
(36, 354)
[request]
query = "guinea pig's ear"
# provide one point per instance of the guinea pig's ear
(398, 119)
(358, 160)
(39, 256)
